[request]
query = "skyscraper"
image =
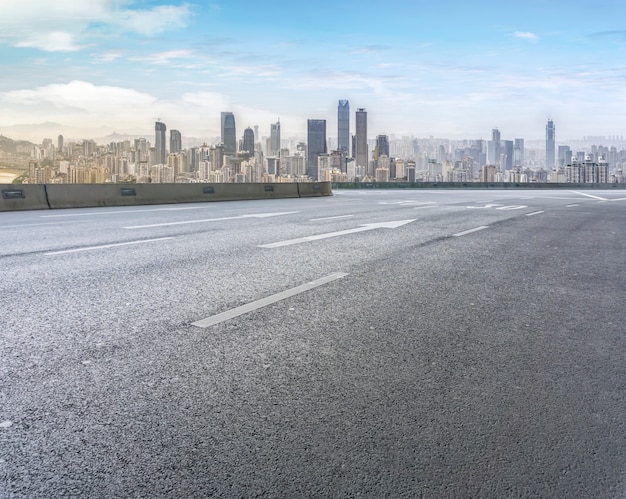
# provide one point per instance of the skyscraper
(382, 146)
(506, 154)
(60, 143)
(274, 139)
(493, 148)
(159, 143)
(248, 141)
(518, 153)
(316, 145)
(360, 153)
(176, 142)
(550, 145)
(343, 126)
(229, 136)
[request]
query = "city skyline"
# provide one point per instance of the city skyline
(445, 69)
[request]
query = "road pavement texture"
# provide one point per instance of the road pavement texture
(376, 343)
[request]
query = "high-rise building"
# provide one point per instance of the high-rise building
(274, 139)
(176, 142)
(248, 141)
(506, 152)
(159, 143)
(60, 143)
(343, 126)
(550, 145)
(518, 153)
(316, 145)
(229, 136)
(564, 156)
(360, 152)
(382, 146)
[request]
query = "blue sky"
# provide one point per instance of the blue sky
(444, 68)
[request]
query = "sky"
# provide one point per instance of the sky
(446, 68)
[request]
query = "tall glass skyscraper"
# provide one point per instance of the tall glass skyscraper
(550, 145)
(159, 143)
(360, 152)
(229, 136)
(382, 145)
(248, 141)
(176, 141)
(316, 145)
(343, 126)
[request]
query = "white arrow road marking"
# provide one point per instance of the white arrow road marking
(89, 248)
(362, 228)
(590, 195)
(185, 222)
(264, 302)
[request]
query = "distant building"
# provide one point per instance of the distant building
(159, 143)
(316, 145)
(274, 149)
(587, 172)
(343, 126)
(176, 142)
(229, 136)
(360, 143)
(488, 173)
(247, 146)
(550, 145)
(518, 153)
(382, 146)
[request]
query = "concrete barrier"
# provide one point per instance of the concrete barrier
(39, 196)
(314, 189)
(92, 195)
(17, 197)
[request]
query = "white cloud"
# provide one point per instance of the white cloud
(77, 103)
(157, 20)
(165, 57)
(62, 25)
(526, 35)
(57, 41)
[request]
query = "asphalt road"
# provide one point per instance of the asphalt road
(374, 343)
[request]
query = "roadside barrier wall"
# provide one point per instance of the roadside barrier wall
(53, 196)
(17, 197)
(314, 189)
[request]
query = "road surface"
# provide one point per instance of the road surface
(375, 343)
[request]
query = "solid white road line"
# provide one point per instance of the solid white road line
(572, 205)
(475, 229)
(34, 225)
(330, 218)
(317, 237)
(534, 213)
(590, 195)
(119, 212)
(264, 302)
(186, 222)
(104, 246)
